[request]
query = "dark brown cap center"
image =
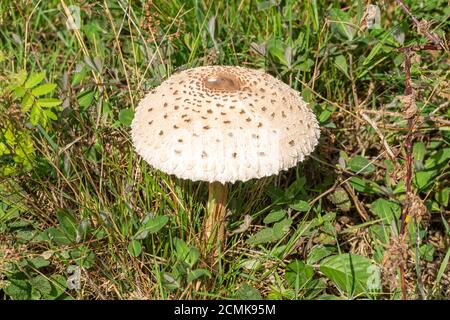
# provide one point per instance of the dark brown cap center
(220, 81)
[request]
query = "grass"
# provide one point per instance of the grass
(74, 193)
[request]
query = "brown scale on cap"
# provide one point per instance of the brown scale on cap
(222, 82)
(218, 111)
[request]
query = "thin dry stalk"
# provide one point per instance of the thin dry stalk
(410, 114)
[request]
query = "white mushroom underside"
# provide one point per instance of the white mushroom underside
(182, 128)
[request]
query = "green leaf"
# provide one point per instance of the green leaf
(271, 234)
(419, 151)
(251, 264)
(58, 236)
(59, 285)
(440, 157)
(375, 50)
(95, 63)
(301, 206)
(41, 284)
(363, 185)
(298, 274)
(20, 77)
(170, 281)
(380, 235)
(197, 273)
(341, 24)
(67, 224)
(151, 225)
(48, 102)
(296, 187)
(134, 248)
(34, 79)
(18, 289)
(305, 66)
(263, 236)
(328, 217)
(442, 269)
(386, 210)
(422, 179)
(341, 63)
(360, 164)
(35, 115)
(79, 76)
(24, 236)
(319, 252)
(85, 99)
(314, 287)
(281, 228)
(351, 273)
(277, 195)
(427, 252)
(19, 92)
(442, 196)
(50, 114)
(274, 216)
(38, 262)
(181, 249)
(185, 253)
(246, 292)
(276, 49)
(83, 256)
(126, 117)
(27, 102)
(43, 89)
(325, 113)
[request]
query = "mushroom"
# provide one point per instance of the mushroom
(222, 124)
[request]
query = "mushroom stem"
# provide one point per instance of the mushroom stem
(215, 220)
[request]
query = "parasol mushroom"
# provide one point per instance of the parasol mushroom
(222, 124)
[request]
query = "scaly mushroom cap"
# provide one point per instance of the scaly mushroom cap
(223, 123)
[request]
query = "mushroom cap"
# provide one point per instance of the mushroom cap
(223, 123)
